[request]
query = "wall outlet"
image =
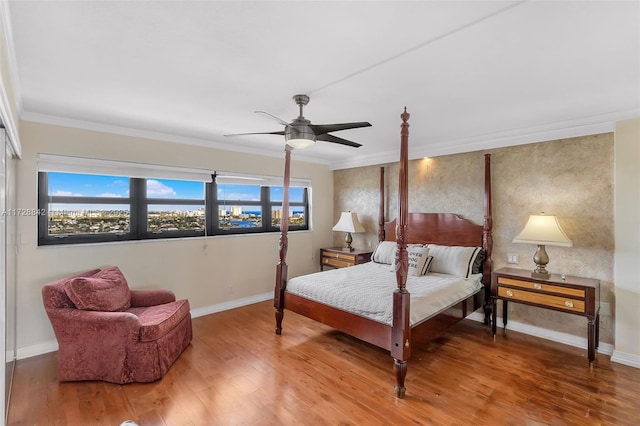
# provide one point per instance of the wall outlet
(229, 288)
(512, 258)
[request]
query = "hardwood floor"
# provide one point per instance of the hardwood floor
(237, 371)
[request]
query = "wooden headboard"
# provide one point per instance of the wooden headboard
(445, 229)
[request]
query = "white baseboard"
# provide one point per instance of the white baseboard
(556, 336)
(39, 349)
(626, 359)
(52, 345)
(231, 304)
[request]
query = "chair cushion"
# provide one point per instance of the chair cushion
(105, 291)
(156, 321)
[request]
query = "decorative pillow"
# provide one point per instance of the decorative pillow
(427, 265)
(418, 261)
(105, 291)
(477, 264)
(385, 252)
(453, 260)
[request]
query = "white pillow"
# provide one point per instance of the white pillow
(418, 260)
(453, 260)
(385, 252)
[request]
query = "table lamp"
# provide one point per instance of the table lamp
(348, 223)
(543, 230)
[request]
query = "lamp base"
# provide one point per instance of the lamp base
(347, 242)
(541, 259)
(545, 275)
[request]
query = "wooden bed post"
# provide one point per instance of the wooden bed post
(381, 211)
(401, 330)
(281, 267)
(487, 239)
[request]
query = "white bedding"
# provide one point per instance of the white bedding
(367, 290)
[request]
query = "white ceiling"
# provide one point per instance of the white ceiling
(473, 74)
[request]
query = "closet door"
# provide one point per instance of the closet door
(3, 275)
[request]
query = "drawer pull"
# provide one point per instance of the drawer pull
(568, 304)
(537, 286)
(509, 293)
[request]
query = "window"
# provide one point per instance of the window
(257, 208)
(174, 206)
(86, 204)
(84, 208)
(298, 202)
(81, 207)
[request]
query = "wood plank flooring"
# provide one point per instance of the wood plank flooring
(237, 371)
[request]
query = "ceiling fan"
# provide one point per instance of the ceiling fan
(300, 133)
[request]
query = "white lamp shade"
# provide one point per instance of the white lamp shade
(349, 223)
(543, 230)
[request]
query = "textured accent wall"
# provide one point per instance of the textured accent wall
(570, 178)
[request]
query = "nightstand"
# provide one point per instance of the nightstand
(574, 295)
(337, 257)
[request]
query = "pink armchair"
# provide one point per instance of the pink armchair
(107, 332)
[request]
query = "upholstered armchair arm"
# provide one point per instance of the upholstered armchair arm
(140, 298)
(72, 325)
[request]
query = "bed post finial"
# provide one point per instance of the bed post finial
(405, 116)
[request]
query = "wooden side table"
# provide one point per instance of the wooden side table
(337, 257)
(574, 295)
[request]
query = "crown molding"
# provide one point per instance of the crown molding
(152, 135)
(584, 126)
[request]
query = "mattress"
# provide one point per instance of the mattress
(367, 290)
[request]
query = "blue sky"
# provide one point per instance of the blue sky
(71, 184)
(80, 185)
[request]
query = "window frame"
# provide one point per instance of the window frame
(143, 212)
(266, 206)
(138, 212)
(305, 207)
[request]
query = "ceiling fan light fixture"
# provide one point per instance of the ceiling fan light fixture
(299, 136)
(300, 143)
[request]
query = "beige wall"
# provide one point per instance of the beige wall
(200, 269)
(571, 178)
(627, 252)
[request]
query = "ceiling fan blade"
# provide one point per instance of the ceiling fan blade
(320, 129)
(279, 120)
(258, 133)
(330, 138)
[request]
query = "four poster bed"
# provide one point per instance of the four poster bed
(410, 308)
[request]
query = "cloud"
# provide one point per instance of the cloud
(236, 196)
(108, 194)
(66, 194)
(159, 189)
